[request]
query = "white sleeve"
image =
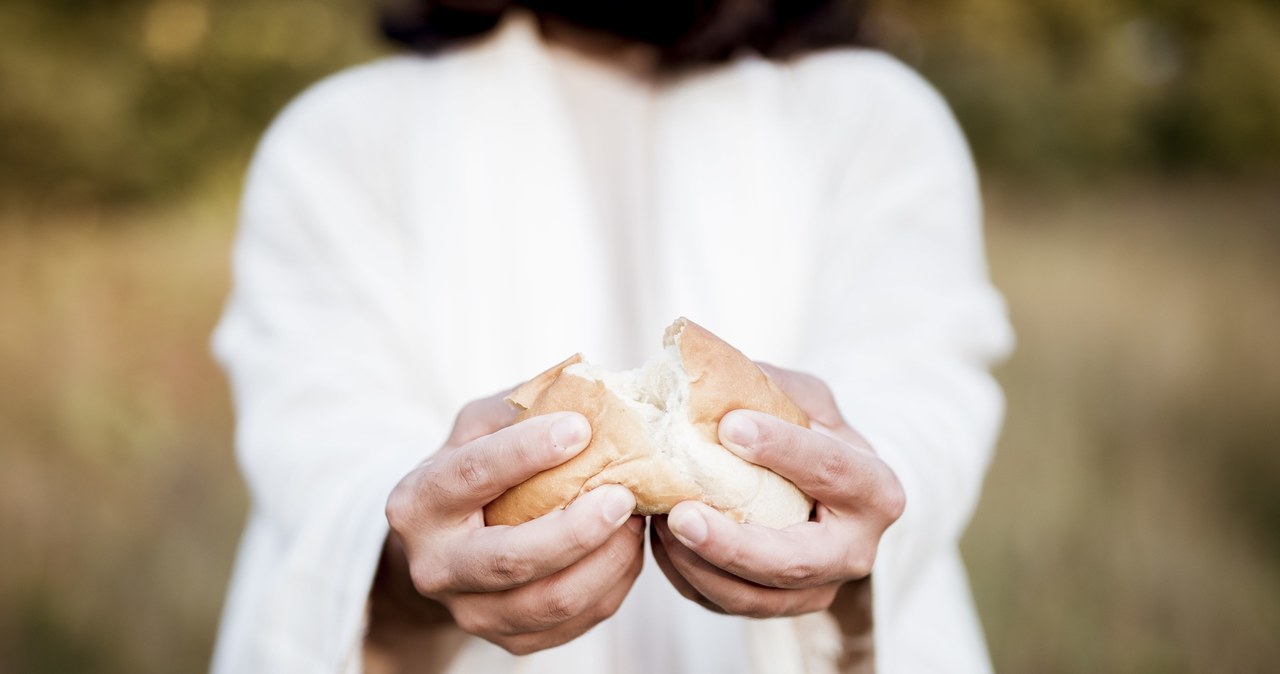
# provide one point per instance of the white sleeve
(318, 340)
(907, 323)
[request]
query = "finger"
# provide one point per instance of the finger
(530, 642)
(677, 581)
(502, 557)
(482, 417)
(497, 617)
(738, 596)
(844, 477)
(810, 393)
(594, 586)
(805, 555)
(466, 478)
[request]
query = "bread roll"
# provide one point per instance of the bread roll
(654, 430)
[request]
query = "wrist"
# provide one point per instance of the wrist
(393, 599)
(852, 609)
(407, 632)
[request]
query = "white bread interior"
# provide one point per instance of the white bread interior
(654, 430)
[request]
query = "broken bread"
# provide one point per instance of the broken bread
(654, 431)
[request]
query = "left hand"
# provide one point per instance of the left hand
(754, 571)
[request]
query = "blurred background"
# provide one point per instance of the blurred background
(1130, 151)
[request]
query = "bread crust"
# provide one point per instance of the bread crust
(623, 449)
(725, 380)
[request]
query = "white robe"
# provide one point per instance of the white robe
(419, 232)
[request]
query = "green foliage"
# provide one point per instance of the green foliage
(128, 100)
(1079, 87)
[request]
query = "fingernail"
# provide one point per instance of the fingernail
(570, 432)
(618, 505)
(738, 430)
(688, 525)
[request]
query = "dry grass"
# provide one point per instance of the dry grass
(1131, 521)
(119, 503)
(1132, 518)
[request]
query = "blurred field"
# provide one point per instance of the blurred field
(119, 502)
(1131, 521)
(1132, 518)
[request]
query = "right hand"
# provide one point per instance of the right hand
(528, 587)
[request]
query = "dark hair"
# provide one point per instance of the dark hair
(685, 32)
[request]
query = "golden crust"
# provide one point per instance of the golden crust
(622, 450)
(725, 380)
(525, 395)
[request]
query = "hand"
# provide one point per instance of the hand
(527, 587)
(754, 571)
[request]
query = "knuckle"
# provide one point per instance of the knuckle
(518, 646)
(747, 604)
(605, 609)
(798, 573)
(893, 499)
(472, 471)
(427, 581)
(401, 507)
(561, 606)
(471, 622)
(859, 563)
(832, 471)
(509, 566)
(439, 491)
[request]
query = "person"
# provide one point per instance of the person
(559, 175)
